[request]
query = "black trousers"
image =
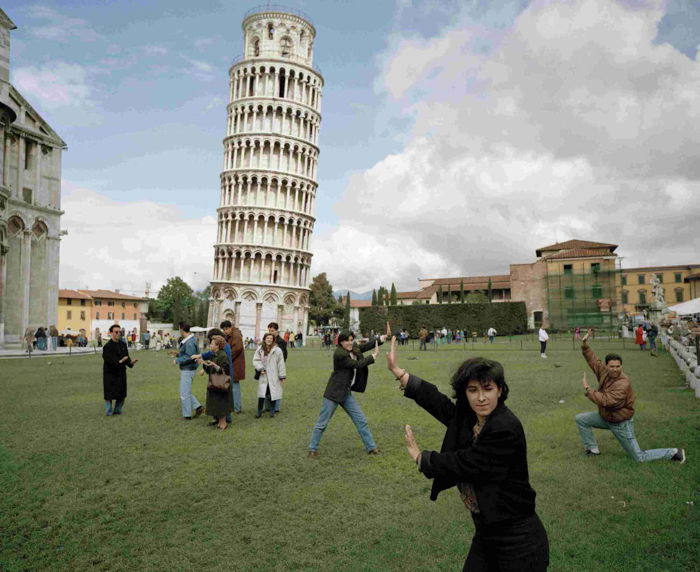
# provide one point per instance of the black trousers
(515, 546)
(543, 346)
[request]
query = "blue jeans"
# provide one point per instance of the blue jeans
(189, 401)
(352, 408)
(118, 405)
(236, 396)
(624, 433)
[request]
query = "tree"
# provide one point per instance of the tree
(440, 295)
(346, 314)
(394, 296)
(321, 301)
(382, 296)
(201, 307)
(461, 292)
(374, 297)
(449, 293)
(176, 301)
(477, 297)
(490, 292)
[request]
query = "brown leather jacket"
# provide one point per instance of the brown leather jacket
(614, 397)
(235, 340)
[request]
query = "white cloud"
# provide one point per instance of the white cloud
(571, 123)
(200, 69)
(155, 50)
(55, 84)
(59, 27)
(123, 245)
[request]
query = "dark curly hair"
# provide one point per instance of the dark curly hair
(482, 370)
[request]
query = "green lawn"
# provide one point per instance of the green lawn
(147, 491)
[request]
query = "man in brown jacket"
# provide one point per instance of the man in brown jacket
(234, 338)
(615, 400)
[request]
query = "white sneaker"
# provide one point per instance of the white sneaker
(543, 356)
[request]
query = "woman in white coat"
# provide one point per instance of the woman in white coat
(270, 371)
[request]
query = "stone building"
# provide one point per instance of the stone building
(30, 208)
(268, 186)
(680, 284)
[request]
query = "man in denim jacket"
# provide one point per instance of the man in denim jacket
(188, 368)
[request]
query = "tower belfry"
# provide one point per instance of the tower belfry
(268, 185)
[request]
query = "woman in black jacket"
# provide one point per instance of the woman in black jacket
(350, 373)
(483, 454)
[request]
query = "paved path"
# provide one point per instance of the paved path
(22, 353)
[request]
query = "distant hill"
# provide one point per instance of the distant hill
(353, 295)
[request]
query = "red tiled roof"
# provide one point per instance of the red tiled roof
(405, 295)
(575, 244)
(108, 294)
(473, 281)
(580, 253)
(360, 303)
(74, 294)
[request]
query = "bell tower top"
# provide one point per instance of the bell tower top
(5, 26)
(275, 32)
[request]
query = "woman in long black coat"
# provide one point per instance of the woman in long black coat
(484, 455)
(116, 359)
(218, 401)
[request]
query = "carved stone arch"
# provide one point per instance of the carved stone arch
(290, 299)
(303, 300)
(230, 293)
(278, 258)
(271, 297)
(249, 295)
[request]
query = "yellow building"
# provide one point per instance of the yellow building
(74, 311)
(680, 284)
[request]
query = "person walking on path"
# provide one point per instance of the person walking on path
(218, 400)
(270, 370)
(115, 356)
(543, 337)
(491, 333)
(639, 337)
(615, 400)
(483, 455)
(651, 337)
(423, 337)
(350, 374)
(184, 358)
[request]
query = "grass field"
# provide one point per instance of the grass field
(148, 491)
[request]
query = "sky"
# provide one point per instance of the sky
(457, 136)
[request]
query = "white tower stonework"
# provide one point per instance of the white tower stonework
(268, 186)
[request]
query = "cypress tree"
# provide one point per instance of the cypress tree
(449, 293)
(394, 297)
(440, 295)
(490, 292)
(374, 297)
(461, 292)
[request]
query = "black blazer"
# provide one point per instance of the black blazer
(496, 465)
(345, 366)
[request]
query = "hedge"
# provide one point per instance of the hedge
(506, 317)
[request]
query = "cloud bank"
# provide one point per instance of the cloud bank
(571, 123)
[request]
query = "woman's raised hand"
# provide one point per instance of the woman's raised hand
(375, 352)
(391, 358)
(413, 448)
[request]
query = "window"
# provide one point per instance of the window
(625, 297)
(82, 302)
(110, 303)
(82, 314)
(286, 47)
(135, 317)
(568, 268)
(123, 316)
(135, 306)
(28, 154)
(597, 291)
(110, 315)
(69, 315)
(123, 304)
(97, 315)
(569, 293)
(623, 280)
(27, 195)
(640, 278)
(642, 296)
(595, 267)
(98, 302)
(69, 302)
(660, 276)
(677, 278)
(256, 47)
(270, 31)
(679, 294)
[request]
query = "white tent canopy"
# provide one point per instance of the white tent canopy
(687, 308)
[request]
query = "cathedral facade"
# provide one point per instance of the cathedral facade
(30, 209)
(268, 185)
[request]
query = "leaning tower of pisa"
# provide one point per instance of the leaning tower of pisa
(268, 186)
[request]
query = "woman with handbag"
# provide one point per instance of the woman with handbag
(270, 373)
(219, 387)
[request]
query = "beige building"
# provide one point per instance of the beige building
(268, 185)
(30, 208)
(680, 284)
(74, 311)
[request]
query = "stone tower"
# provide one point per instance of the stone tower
(268, 186)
